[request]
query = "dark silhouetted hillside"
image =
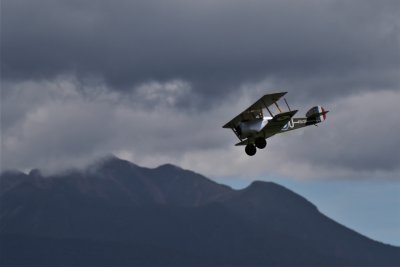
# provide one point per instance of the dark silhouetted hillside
(116, 213)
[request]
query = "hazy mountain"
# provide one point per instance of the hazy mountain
(117, 213)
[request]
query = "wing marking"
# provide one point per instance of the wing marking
(276, 123)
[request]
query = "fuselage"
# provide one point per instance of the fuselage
(253, 127)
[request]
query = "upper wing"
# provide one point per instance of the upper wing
(265, 101)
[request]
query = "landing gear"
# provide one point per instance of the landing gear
(250, 150)
(260, 142)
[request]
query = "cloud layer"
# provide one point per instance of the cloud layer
(63, 127)
(317, 45)
(155, 82)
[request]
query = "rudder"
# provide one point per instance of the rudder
(317, 113)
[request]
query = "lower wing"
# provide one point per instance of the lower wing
(273, 127)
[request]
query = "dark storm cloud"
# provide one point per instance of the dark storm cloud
(214, 45)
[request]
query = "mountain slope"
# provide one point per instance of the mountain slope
(117, 213)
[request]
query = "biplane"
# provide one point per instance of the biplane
(253, 127)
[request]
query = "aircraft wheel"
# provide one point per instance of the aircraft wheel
(250, 150)
(260, 142)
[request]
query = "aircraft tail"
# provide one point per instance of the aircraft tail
(317, 113)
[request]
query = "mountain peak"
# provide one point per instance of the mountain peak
(35, 173)
(262, 186)
(258, 183)
(169, 166)
(109, 162)
(110, 158)
(275, 196)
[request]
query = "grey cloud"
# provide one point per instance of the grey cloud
(53, 130)
(360, 135)
(216, 46)
(63, 127)
(67, 128)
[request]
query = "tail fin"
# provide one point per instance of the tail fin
(317, 113)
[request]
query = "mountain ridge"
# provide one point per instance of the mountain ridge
(167, 209)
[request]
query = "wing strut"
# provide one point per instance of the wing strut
(287, 104)
(269, 111)
(276, 104)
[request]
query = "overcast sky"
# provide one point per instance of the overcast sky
(154, 81)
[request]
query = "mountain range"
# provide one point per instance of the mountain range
(115, 213)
